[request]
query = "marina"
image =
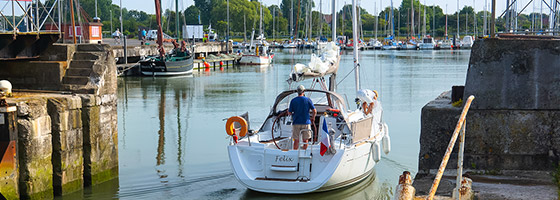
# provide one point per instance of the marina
(186, 171)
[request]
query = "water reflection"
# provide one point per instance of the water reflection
(160, 158)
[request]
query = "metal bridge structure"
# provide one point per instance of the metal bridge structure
(28, 27)
(547, 25)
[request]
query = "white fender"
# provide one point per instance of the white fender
(386, 141)
(376, 151)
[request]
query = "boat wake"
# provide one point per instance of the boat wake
(151, 188)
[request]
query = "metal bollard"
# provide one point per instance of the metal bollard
(8, 153)
(404, 190)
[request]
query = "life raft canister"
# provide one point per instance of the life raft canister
(230, 129)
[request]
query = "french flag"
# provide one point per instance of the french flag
(325, 142)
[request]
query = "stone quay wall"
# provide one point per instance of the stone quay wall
(66, 121)
(514, 121)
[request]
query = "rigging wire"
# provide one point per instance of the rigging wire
(348, 74)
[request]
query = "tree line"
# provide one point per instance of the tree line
(245, 15)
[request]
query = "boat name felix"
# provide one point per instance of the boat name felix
(284, 159)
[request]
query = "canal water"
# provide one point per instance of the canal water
(172, 140)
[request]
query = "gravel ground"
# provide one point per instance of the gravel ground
(510, 185)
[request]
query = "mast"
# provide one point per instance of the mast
(411, 18)
(292, 18)
(159, 30)
(484, 27)
(474, 19)
(273, 19)
(121, 19)
(446, 36)
(424, 29)
(177, 20)
(457, 20)
(376, 18)
(361, 33)
(310, 21)
(227, 33)
(320, 18)
(244, 29)
(333, 20)
(355, 36)
(493, 19)
(392, 20)
(434, 21)
(260, 21)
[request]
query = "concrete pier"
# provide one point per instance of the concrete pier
(66, 119)
(513, 122)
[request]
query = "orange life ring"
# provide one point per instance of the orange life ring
(367, 108)
(375, 97)
(231, 130)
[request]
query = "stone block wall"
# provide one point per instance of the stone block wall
(65, 142)
(58, 52)
(495, 139)
(34, 75)
(34, 149)
(513, 123)
(519, 74)
(67, 139)
(100, 138)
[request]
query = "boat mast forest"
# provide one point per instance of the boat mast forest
(214, 12)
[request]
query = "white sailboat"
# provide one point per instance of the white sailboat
(428, 42)
(345, 147)
(260, 56)
(467, 42)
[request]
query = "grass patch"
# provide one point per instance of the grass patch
(556, 176)
(457, 103)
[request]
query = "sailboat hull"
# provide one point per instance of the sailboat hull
(167, 68)
(255, 60)
(266, 170)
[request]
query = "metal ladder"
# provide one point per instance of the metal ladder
(304, 158)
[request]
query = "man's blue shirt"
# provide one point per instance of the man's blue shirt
(300, 107)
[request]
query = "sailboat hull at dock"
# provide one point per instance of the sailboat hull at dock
(166, 68)
(255, 60)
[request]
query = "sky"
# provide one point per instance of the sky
(148, 5)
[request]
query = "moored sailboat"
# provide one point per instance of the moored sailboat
(178, 62)
(344, 147)
(260, 55)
